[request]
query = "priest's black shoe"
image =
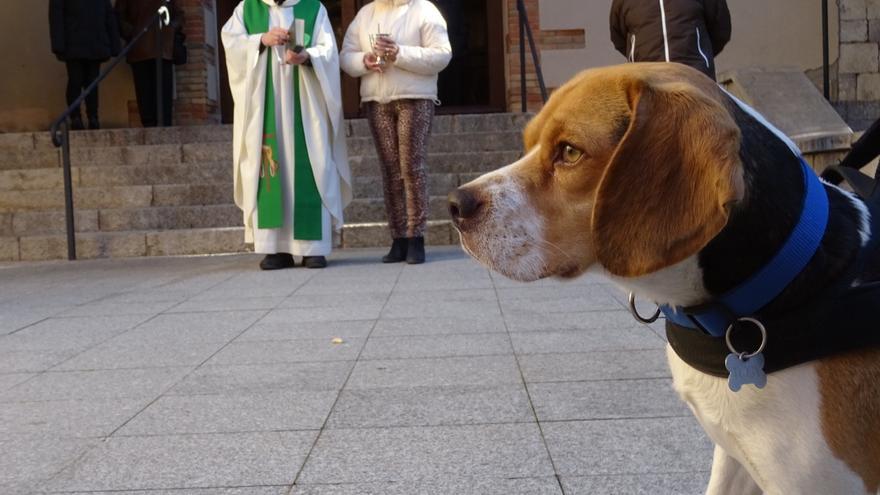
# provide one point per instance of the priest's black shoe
(398, 251)
(314, 262)
(277, 261)
(415, 250)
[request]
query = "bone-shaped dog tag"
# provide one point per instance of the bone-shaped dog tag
(745, 371)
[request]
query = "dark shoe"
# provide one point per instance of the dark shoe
(415, 250)
(76, 123)
(314, 262)
(277, 261)
(398, 251)
(94, 124)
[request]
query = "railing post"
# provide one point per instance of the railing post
(68, 191)
(521, 9)
(160, 118)
(826, 77)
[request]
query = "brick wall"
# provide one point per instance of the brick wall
(533, 92)
(193, 104)
(557, 39)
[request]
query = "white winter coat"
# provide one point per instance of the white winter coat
(419, 30)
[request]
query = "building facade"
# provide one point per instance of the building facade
(485, 73)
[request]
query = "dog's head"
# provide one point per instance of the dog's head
(632, 167)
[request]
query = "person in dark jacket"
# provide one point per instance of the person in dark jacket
(83, 33)
(133, 16)
(691, 32)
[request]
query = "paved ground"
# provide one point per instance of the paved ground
(185, 373)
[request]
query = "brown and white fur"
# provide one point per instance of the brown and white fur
(652, 175)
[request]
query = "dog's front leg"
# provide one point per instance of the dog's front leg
(729, 477)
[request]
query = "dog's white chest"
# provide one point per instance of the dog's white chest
(774, 433)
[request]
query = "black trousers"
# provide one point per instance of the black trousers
(145, 89)
(81, 73)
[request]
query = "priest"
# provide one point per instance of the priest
(292, 178)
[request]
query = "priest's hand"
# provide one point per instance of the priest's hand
(276, 36)
(372, 63)
(291, 57)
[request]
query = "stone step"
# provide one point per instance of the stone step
(91, 198)
(128, 244)
(31, 223)
(443, 163)
(444, 143)
(221, 151)
(371, 210)
(438, 184)
(443, 124)
(217, 172)
(132, 175)
(170, 218)
(14, 159)
(84, 198)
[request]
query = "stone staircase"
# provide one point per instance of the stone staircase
(159, 192)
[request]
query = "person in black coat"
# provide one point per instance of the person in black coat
(84, 33)
(691, 32)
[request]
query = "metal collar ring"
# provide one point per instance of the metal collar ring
(635, 312)
(760, 327)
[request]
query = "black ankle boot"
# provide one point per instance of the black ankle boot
(277, 261)
(76, 123)
(94, 124)
(314, 262)
(398, 251)
(415, 250)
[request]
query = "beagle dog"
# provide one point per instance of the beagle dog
(656, 177)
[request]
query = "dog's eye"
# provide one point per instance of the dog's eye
(571, 155)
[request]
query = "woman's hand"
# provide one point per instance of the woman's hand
(389, 47)
(372, 63)
(291, 57)
(274, 37)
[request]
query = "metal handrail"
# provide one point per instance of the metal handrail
(525, 31)
(60, 128)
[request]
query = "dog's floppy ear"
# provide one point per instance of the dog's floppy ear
(668, 186)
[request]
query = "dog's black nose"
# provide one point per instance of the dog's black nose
(463, 204)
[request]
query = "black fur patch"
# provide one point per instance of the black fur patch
(763, 221)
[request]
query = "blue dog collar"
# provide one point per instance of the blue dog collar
(765, 285)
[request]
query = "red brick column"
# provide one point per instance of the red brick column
(194, 105)
(514, 92)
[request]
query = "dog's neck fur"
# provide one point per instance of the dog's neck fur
(758, 227)
(763, 221)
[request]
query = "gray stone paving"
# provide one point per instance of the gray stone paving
(198, 376)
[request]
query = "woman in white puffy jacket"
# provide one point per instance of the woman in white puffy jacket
(399, 98)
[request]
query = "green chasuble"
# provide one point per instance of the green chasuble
(307, 205)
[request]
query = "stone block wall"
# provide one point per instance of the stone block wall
(858, 69)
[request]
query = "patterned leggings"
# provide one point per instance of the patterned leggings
(400, 130)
